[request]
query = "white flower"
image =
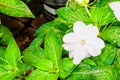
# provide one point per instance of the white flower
(83, 42)
(115, 6)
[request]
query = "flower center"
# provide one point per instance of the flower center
(82, 42)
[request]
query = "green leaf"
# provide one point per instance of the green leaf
(53, 48)
(7, 76)
(73, 4)
(106, 73)
(7, 72)
(112, 35)
(45, 64)
(41, 75)
(101, 3)
(22, 68)
(28, 1)
(2, 55)
(16, 79)
(108, 55)
(34, 56)
(4, 68)
(45, 28)
(37, 41)
(72, 15)
(86, 64)
(60, 20)
(6, 35)
(15, 8)
(1, 35)
(116, 64)
(117, 58)
(88, 70)
(101, 16)
(66, 67)
(12, 53)
(80, 73)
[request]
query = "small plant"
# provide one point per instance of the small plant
(83, 43)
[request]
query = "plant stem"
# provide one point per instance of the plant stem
(107, 26)
(93, 2)
(104, 28)
(87, 10)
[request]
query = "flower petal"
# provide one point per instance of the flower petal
(94, 46)
(117, 15)
(70, 38)
(96, 42)
(78, 55)
(92, 31)
(79, 27)
(115, 6)
(78, 59)
(93, 51)
(69, 47)
(70, 55)
(82, 30)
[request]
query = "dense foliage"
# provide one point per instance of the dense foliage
(51, 61)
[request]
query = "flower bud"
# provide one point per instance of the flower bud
(82, 2)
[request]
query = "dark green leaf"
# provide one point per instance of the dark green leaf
(72, 15)
(1, 35)
(15, 8)
(6, 35)
(28, 1)
(41, 75)
(66, 67)
(112, 35)
(12, 53)
(53, 47)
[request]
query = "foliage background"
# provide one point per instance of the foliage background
(45, 56)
